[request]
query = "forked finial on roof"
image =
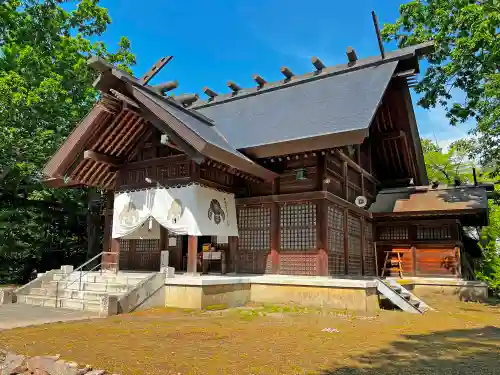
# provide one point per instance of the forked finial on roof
(379, 36)
(155, 69)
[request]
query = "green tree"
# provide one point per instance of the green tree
(45, 89)
(465, 61)
(446, 166)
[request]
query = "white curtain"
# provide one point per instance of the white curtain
(131, 210)
(194, 210)
(149, 230)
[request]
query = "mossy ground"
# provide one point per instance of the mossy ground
(459, 338)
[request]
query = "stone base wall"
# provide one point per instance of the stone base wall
(464, 293)
(461, 289)
(239, 294)
(336, 298)
(13, 364)
(203, 296)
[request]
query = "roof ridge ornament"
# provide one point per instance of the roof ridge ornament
(379, 36)
(154, 70)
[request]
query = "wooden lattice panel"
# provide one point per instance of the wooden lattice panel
(124, 251)
(298, 226)
(173, 171)
(254, 225)
(147, 255)
(369, 251)
(254, 261)
(302, 264)
(442, 232)
(254, 242)
(354, 245)
(393, 233)
(336, 258)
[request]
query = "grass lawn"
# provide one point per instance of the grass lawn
(462, 338)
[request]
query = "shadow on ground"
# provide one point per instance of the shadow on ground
(464, 351)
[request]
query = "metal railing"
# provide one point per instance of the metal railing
(83, 272)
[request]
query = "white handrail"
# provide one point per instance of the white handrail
(80, 269)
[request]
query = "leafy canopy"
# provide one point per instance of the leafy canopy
(466, 61)
(45, 89)
(45, 85)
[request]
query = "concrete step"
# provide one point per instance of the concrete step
(88, 286)
(71, 294)
(104, 278)
(66, 303)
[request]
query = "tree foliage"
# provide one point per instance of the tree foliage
(45, 89)
(465, 62)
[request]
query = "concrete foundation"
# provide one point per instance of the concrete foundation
(434, 287)
(206, 291)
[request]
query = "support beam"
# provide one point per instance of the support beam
(112, 161)
(386, 136)
(355, 166)
(192, 260)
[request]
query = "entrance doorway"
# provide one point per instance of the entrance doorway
(201, 241)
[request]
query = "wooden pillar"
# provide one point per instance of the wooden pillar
(322, 236)
(275, 230)
(233, 265)
(363, 242)
(346, 243)
(110, 261)
(346, 195)
(192, 260)
(322, 219)
(414, 260)
(459, 261)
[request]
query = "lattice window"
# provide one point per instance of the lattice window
(298, 226)
(336, 259)
(433, 233)
(298, 264)
(254, 224)
(393, 233)
(354, 244)
(369, 251)
(124, 251)
(147, 254)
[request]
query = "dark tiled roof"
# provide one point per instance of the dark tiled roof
(331, 105)
(207, 140)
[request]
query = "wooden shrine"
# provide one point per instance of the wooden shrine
(297, 154)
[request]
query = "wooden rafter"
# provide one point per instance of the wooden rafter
(110, 160)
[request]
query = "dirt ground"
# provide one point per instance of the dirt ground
(461, 338)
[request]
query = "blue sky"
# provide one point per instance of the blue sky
(220, 40)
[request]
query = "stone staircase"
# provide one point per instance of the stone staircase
(78, 291)
(390, 290)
